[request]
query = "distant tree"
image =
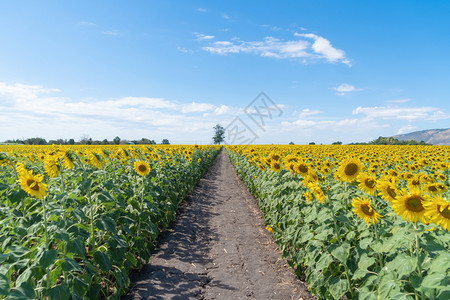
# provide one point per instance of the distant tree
(71, 142)
(35, 141)
(165, 142)
(219, 134)
(116, 140)
(337, 143)
(312, 143)
(291, 143)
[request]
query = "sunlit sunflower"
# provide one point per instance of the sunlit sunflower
(290, 167)
(410, 206)
(141, 167)
(32, 184)
(317, 191)
(349, 169)
(438, 211)
(388, 190)
(51, 166)
(275, 166)
(364, 210)
(367, 183)
(261, 167)
(274, 156)
(308, 196)
(301, 168)
(432, 188)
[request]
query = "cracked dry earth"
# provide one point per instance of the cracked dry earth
(217, 249)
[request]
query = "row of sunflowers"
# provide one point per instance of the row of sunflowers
(75, 220)
(361, 222)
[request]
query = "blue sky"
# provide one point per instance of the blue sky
(332, 70)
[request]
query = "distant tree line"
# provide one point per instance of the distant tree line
(84, 141)
(391, 141)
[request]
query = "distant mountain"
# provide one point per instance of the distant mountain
(431, 136)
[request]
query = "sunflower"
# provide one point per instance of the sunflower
(438, 212)
(261, 167)
(32, 184)
(51, 166)
(432, 188)
(290, 167)
(308, 196)
(349, 169)
(410, 206)
(365, 211)
(141, 167)
(388, 190)
(274, 156)
(367, 184)
(275, 166)
(301, 168)
(317, 191)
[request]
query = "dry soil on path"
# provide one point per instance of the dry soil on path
(217, 249)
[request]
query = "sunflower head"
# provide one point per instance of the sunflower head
(410, 205)
(349, 169)
(438, 212)
(367, 183)
(275, 166)
(363, 209)
(141, 167)
(32, 184)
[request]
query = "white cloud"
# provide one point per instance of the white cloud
(406, 129)
(111, 32)
(402, 113)
(302, 48)
(345, 88)
(399, 100)
(307, 112)
(323, 47)
(202, 10)
(203, 37)
(41, 113)
(226, 17)
(86, 23)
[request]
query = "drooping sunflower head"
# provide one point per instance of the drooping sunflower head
(410, 206)
(438, 212)
(308, 196)
(349, 169)
(433, 189)
(363, 209)
(51, 166)
(141, 167)
(32, 184)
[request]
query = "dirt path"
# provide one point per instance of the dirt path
(217, 249)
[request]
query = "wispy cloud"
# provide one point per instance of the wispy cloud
(43, 113)
(345, 88)
(226, 17)
(203, 37)
(202, 10)
(86, 23)
(402, 113)
(301, 48)
(307, 113)
(111, 32)
(399, 100)
(406, 129)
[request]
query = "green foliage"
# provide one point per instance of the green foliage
(101, 224)
(337, 253)
(219, 134)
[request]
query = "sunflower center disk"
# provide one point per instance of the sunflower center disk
(33, 185)
(351, 169)
(367, 210)
(414, 203)
(370, 183)
(391, 192)
(142, 168)
(445, 212)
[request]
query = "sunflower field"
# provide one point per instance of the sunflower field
(75, 220)
(359, 222)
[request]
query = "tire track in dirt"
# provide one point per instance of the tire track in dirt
(217, 249)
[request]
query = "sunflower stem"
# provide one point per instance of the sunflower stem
(11, 163)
